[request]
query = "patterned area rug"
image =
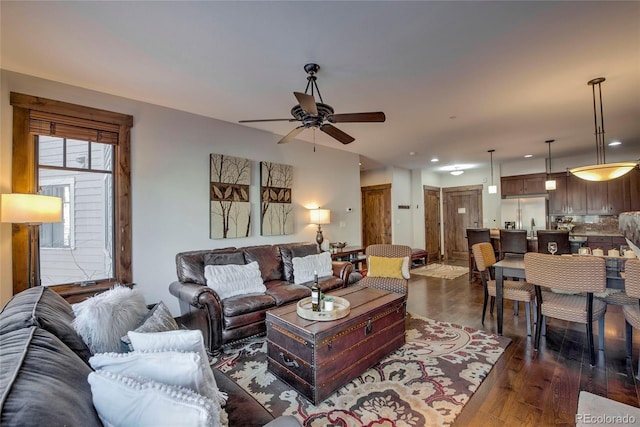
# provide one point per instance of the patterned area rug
(424, 383)
(441, 271)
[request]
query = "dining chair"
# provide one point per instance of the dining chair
(561, 237)
(517, 291)
(475, 235)
(571, 283)
(398, 284)
(632, 311)
(513, 242)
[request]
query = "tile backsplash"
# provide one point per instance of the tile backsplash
(605, 224)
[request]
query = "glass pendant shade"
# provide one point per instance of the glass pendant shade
(493, 189)
(603, 172)
(550, 184)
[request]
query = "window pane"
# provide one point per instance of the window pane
(58, 234)
(77, 154)
(50, 149)
(80, 248)
(101, 156)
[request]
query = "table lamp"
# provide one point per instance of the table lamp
(320, 217)
(31, 210)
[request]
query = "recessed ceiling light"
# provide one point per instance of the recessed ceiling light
(614, 143)
(528, 155)
(456, 172)
(412, 153)
(435, 159)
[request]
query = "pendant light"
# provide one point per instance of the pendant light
(493, 189)
(601, 171)
(549, 184)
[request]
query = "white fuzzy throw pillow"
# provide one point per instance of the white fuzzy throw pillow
(103, 319)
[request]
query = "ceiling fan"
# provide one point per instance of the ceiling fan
(317, 114)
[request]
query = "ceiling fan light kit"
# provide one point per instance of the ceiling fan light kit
(319, 115)
(601, 171)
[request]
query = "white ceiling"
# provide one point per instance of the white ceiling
(454, 78)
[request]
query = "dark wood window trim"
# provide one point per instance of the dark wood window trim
(29, 113)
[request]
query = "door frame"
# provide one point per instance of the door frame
(378, 187)
(426, 188)
(478, 189)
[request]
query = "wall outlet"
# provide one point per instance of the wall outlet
(343, 224)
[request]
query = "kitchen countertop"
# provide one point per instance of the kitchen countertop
(596, 233)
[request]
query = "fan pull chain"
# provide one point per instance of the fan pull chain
(314, 140)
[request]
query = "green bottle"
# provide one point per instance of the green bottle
(315, 293)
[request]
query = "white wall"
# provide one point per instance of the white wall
(402, 220)
(170, 175)
(417, 209)
(402, 225)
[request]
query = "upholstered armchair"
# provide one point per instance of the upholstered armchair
(569, 282)
(399, 284)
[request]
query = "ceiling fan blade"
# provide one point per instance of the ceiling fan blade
(377, 116)
(337, 133)
(267, 120)
(288, 137)
(307, 102)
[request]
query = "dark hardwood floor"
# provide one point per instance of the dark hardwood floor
(527, 387)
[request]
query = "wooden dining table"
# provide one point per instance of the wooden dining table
(509, 266)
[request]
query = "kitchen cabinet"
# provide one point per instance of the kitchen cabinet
(597, 203)
(576, 195)
(569, 197)
(605, 242)
(634, 190)
(558, 197)
(610, 197)
(619, 195)
(520, 185)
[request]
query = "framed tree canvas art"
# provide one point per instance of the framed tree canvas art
(230, 209)
(276, 207)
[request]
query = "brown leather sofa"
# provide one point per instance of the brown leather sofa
(45, 368)
(226, 320)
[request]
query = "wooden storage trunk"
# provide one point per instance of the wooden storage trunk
(318, 357)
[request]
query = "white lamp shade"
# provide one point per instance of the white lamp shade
(30, 208)
(320, 216)
(493, 189)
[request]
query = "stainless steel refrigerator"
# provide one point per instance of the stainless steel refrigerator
(528, 213)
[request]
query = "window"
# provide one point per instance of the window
(82, 155)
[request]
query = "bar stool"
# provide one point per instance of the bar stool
(561, 237)
(513, 242)
(476, 235)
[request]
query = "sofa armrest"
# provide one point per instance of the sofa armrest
(342, 269)
(200, 308)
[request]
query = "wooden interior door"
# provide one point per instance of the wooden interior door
(462, 209)
(376, 214)
(432, 222)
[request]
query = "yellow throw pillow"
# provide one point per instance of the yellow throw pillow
(384, 267)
